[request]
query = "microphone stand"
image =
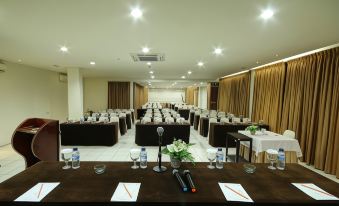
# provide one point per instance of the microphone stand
(159, 168)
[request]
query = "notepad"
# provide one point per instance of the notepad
(38, 192)
(234, 192)
(126, 192)
(314, 191)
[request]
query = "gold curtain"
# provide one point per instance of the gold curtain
(268, 95)
(234, 94)
(140, 95)
(311, 108)
(118, 95)
(190, 95)
(208, 95)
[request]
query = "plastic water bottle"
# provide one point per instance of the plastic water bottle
(75, 158)
(143, 158)
(281, 159)
(220, 159)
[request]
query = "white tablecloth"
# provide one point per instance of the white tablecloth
(270, 140)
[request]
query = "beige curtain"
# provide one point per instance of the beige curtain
(311, 108)
(208, 95)
(234, 94)
(268, 95)
(190, 95)
(118, 95)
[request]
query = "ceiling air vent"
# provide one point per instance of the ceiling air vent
(159, 57)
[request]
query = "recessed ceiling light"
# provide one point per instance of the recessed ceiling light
(152, 76)
(217, 51)
(151, 72)
(149, 63)
(257, 62)
(136, 13)
(92, 63)
(267, 14)
(183, 77)
(200, 64)
(276, 55)
(145, 50)
(19, 60)
(189, 72)
(63, 49)
(201, 83)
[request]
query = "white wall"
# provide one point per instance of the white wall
(166, 95)
(202, 97)
(95, 94)
(27, 92)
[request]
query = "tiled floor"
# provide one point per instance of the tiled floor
(12, 163)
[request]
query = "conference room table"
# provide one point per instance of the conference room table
(192, 117)
(204, 125)
(82, 187)
(218, 132)
(89, 134)
(146, 134)
(185, 113)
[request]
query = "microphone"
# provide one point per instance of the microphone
(181, 182)
(188, 176)
(160, 131)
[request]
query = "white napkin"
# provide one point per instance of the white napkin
(314, 191)
(234, 192)
(38, 192)
(126, 192)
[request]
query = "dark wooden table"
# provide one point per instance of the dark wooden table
(238, 138)
(82, 187)
(146, 134)
(192, 118)
(89, 134)
(218, 132)
(185, 113)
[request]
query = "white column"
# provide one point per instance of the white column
(75, 93)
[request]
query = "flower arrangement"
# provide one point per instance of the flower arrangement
(179, 150)
(252, 129)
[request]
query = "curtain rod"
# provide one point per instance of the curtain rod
(286, 59)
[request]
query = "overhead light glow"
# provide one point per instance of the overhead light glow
(136, 13)
(183, 77)
(149, 63)
(63, 49)
(201, 83)
(151, 72)
(267, 14)
(200, 64)
(152, 76)
(19, 60)
(189, 72)
(217, 51)
(92, 63)
(145, 50)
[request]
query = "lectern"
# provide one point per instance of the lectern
(37, 140)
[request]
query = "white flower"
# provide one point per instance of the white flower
(170, 148)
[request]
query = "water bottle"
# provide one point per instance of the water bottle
(220, 159)
(143, 158)
(75, 158)
(281, 159)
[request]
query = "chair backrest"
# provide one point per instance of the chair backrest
(157, 120)
(213, 115)
(91, 119)
(113, 114)
(146, 120)
(224, 119)
(102, 119)
(122, 115)
(178, 115)
(94, 114)
(289, 134)
(114, 119)
(213, 120)
(104, 114)
(169, 119)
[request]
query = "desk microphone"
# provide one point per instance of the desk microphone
(181, 182)
(188, 176)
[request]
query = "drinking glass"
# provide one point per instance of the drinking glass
(272, 156)
(66, 155)
(263, 130)
(211, 155)
(135, 154)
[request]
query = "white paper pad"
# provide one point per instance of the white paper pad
(234, 192)
(126, 192)
(314, 191)
(32, 195)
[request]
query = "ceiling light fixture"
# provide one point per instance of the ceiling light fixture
(151, 72)
(136, 13)
(183, 77)
(19, 60)
(92, 63)
(217, 51)
(63, 49)
(201, 83)
(145, 50)
(149, 63)
(189, 72)
(200, 64)
(152, 76)
(267, 14)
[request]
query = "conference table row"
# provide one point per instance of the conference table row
(146, 134)
(183, 113)
(82, 187)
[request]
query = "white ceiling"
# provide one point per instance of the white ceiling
(185, 30)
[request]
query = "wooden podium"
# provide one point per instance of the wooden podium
(37, 140)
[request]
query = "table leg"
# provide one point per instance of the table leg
(250, 152)
(237, 151)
